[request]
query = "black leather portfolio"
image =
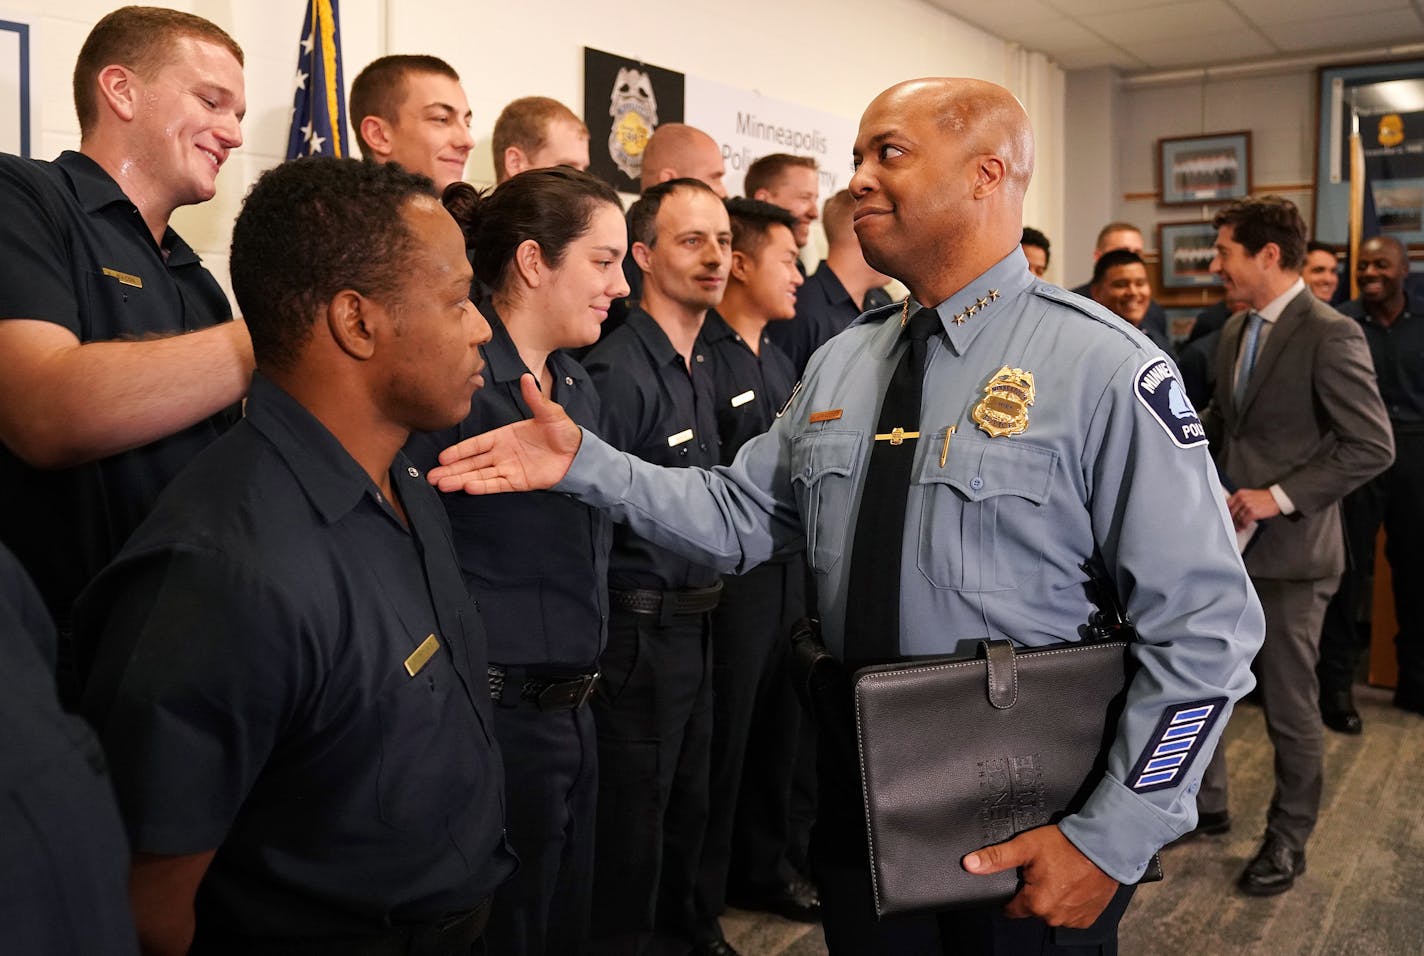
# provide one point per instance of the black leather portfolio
(957, 754)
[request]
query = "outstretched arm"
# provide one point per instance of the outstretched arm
(528, 455)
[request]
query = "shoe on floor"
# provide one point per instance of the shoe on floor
(1337, 711)
(795, 900)
(1414, 703)
(1274, 868)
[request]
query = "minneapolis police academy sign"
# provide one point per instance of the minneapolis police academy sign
(626, 99)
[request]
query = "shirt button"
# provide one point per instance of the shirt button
(568, 379)
(699, 357)
(412, 472)
(976, 482)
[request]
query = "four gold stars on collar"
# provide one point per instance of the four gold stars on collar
(976, 306)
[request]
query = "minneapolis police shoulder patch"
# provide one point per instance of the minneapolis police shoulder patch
(1161, 394)
(1176, 741)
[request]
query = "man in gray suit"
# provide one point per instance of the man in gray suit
(1297, 422)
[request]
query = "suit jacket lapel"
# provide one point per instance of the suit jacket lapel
(1282, 329)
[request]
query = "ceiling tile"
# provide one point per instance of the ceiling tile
(1384, 28)
(1084, 8)
(1054, 35)
(1287, 11)
(1101, 55)
(1197, 49)
(1166, 24)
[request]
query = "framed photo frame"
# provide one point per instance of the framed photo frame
(15, 119)
(1187, 249)
(1388, 99)
(1203, 169)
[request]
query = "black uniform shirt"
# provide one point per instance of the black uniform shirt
(654, 408)
(748, 388)
(64, 876)
(75, 251)
(537, 563)
(823, 310)
(254, 689)
(1398, 353)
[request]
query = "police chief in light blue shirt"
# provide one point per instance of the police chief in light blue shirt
(1091, 455)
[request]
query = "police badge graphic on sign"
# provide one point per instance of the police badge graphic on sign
(1159, 391)
(634, 109)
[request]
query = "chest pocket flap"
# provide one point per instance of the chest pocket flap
(983, 516)
(823, 465)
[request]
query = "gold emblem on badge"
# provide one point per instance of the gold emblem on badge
(1003, 410)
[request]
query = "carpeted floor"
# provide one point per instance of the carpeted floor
(1362, 893)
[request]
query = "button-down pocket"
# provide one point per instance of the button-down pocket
(983, 523)
(823, 466)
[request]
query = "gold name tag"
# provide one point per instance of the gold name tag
(680, 438)
(124, 278)
(739, 400)
(827, 416)
(421, 655)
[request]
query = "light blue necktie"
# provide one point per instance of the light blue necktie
(1248, 356)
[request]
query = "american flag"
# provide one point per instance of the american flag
(319, 100)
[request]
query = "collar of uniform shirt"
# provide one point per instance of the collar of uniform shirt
(327, 472)
(96, 189)
(500, 352)
(1009, 277)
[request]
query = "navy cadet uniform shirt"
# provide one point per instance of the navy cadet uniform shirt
(749, 387)
(824, 309)
(537, 563)
(1398, 353)
(1112, 468)
(64, 880)
(655, 407)
(77, 253)
(265, 686)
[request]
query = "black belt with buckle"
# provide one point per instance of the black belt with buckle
(667, 604)
(544, 691)
(452, 936)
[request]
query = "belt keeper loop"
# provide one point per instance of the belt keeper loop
(667, 609)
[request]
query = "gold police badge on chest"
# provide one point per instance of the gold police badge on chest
(1003, 410)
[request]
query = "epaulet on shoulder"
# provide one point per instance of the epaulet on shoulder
(1074, 301)
(880, 314)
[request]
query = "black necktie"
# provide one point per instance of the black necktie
(872, 620)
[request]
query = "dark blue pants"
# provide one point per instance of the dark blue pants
(653, 714)
(1396, 500)
(756, 733)
(551, 780)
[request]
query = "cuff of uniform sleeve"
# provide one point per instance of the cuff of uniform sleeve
(599, 475)
(1283, 501)
(1119, 831)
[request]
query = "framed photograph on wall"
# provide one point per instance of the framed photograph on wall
(1198, 169)
(15, 120)
(1387, 102)
(1187, 249)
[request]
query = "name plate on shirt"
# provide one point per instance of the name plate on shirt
(124, 277)
(739, 400)
(681, 438)
(422, 655)
(829, 415)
